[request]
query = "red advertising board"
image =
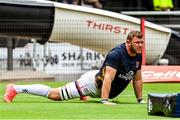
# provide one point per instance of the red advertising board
(161, 73)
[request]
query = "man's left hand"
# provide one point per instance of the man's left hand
(141, 101)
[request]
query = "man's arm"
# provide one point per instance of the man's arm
(138, 85)
(106, 86)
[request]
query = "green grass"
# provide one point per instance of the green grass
(34, 107)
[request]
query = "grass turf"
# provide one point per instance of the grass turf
(34, 107)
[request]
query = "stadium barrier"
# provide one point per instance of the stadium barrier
(154, 74)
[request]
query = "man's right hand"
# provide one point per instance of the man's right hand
(109, 103)
(106, 102)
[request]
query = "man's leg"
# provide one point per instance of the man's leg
(85, 86)
(36, 89)
(85, 98)
(68, 91)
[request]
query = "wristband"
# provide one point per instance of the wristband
(139, 100)
(104, 101)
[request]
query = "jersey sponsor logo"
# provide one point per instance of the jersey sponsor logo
(128, 76)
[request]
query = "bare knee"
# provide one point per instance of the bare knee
(54, 94)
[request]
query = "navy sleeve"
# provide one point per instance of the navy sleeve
(113, 59)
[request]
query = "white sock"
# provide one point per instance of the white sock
(36, 89)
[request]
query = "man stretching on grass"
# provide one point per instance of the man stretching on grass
(122, 64)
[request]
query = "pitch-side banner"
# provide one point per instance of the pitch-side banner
(161, 73)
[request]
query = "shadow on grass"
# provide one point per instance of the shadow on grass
(68, 101)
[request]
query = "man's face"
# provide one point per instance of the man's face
(136, 45)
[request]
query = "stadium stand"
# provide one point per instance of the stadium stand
(145, 8)
(134, 5)
(139, 8)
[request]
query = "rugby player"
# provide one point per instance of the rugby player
(121, 66)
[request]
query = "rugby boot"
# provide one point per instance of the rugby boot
(10, 93)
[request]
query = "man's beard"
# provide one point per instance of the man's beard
(132, 49)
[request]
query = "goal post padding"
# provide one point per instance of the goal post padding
(142, 27)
